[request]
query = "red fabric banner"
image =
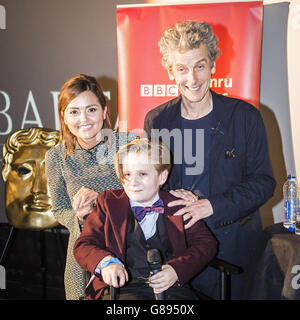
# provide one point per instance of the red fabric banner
(144, 83)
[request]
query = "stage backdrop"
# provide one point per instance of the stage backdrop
(144, 83)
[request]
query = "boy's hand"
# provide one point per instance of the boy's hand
(114, 275)
(164, 279)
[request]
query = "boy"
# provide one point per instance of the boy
(118, 233)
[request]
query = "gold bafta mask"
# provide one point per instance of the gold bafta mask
(27, 199)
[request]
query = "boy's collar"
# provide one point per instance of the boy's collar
(138, 204)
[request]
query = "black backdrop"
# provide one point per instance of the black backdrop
(43, 44)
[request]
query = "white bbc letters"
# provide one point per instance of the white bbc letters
(159, 90)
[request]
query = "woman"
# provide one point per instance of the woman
(81, 166)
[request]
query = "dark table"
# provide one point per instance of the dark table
(275, 269)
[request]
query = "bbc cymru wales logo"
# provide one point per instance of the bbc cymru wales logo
(171, 90)
(2, 18)
(2, 278)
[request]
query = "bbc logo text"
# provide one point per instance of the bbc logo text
(159, 90)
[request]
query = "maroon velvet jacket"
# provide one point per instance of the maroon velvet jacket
(104, 234)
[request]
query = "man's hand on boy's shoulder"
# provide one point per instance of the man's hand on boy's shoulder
(184, 195)
(194, 208)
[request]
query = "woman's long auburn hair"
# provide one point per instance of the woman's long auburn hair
(69, 91)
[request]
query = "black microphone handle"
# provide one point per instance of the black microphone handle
(154, 262)
(160, 295)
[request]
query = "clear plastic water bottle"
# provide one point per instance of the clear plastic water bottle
(297, 223)
(290, 189)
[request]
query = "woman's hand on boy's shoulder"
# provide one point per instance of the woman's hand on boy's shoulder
(84, 197)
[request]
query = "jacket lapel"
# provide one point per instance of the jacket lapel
(119, 218)
(174, 122)
(173, 224)
(171, 118)
(218, 132)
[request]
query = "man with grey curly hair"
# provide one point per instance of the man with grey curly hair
(221, 154)
(186, 36)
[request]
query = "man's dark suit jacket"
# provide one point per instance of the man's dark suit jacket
(239, 182)
(104, 234)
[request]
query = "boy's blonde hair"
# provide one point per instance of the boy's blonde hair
(158, 155)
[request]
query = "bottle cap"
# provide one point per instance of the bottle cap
(291, 229)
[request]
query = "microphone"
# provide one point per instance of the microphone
(154, 262)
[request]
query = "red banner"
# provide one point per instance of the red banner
(144, 83)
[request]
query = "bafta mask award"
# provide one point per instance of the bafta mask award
(27, 199)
